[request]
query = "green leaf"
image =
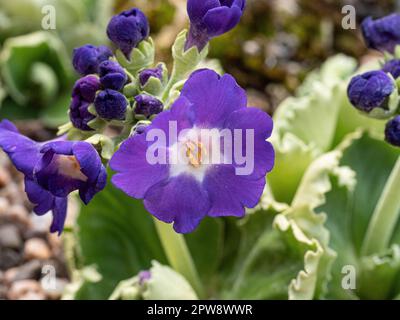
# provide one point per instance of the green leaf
(344, 187)
(305, 125)
(116, 234)
(19, 59)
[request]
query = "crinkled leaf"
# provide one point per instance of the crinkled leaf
(20, 60)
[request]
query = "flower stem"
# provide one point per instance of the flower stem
(178, 254)
(385, 216)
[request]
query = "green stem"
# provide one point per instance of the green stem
(178, 255)
(385, 216)
(172, 80)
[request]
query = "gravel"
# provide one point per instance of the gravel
(27, 250)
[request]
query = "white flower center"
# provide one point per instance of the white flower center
(195, 152)
(70, 167)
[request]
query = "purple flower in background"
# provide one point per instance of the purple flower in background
(370, 90)
(83, 94)
(127, 29)
(211, 18)
(147, 105)
(382, 34)
(146, 74)
(111, 105)
(185, 193)
(53, 170)
(144, 276)
(86, 59)
(392, 67)
(392, 131)
(112, 75)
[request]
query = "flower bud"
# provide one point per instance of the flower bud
(83, 94)
(382, 34)
(392, 67)
(147, 105)
(392, 131)
(209, 19)
(112, 75)
(146, 74)
(86, 59)
(127, 29)
(111, 105)
(371, 92)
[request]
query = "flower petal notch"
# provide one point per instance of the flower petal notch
(198, 168)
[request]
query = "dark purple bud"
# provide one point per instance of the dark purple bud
(147, 105)
(127, 29)
(146, 74)
(392, 131)
(382, 34)
(111, 105)
(83, 94)
(370, 90)
(86, 59)
(211, 18)
(392, 67)
(112, 75)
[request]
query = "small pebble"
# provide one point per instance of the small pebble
(10, 237)
(23, 289)
(54, 292)
(36, 248)
(4, 204)
(5, 177)
(29, 270)
(19, 213)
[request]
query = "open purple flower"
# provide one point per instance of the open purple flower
(128, 29)
(86, 59)
(83, 94)
(53, 170)
(211, 18)
(184, 192)
(382, 34)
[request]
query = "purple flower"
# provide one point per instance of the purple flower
(382, 34)
(392, 67)
(111, 105)
(86, 59)
(186, 192)
(370, 90)
(211, 18)
(83, 94)
(392, 131)
(112, 75)
(146, 74)
(147, 105)
(128, 29)
(53, 170)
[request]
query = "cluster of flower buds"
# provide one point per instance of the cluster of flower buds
(376, 93)
(127, 89)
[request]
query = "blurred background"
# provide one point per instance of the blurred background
(277, 43)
